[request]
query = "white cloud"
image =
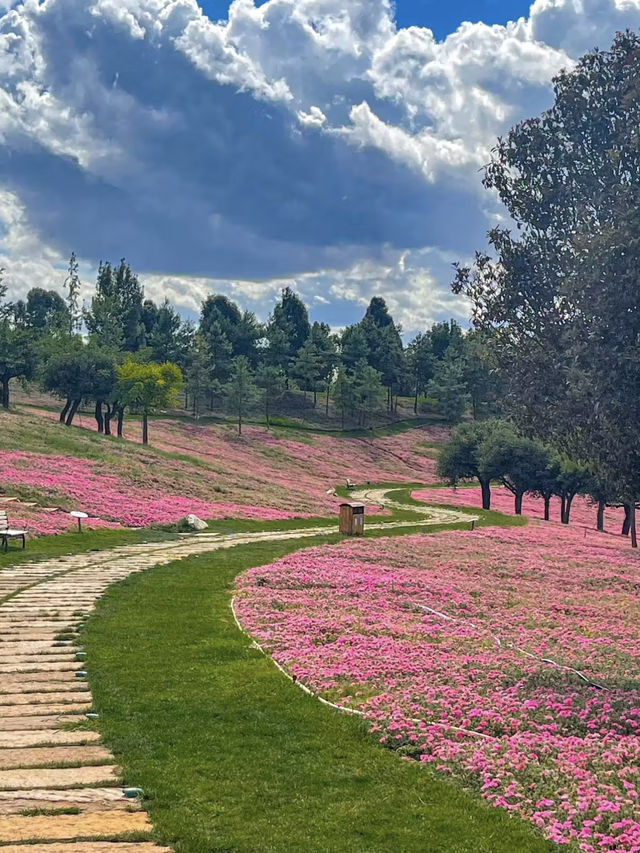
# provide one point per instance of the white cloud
(302, 142)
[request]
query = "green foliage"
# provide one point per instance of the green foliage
(449, 387)
(559, 295)
(271, 381)
(148, 387)
(115, 319)
(240, 391)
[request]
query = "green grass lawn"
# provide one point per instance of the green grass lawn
(233, 757)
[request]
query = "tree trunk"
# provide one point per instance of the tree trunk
(98, 416)
(485, 485)
(145, 428)
(239, 421)
(5, 392)
(107, 419)
(343, 420)
(72, 412)
(63, 413)
(415, 403)
(567, 509)
(547, 507)
(120, 429)
(315, 398)
(326, 407)
(518, 503)
(186, 400)
(563, 504)
(266, 412)
(626, 524)
(632, 525)
(601, 508)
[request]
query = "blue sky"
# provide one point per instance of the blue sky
(332, 146)
(441, 16)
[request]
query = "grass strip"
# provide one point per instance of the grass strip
(233, 757)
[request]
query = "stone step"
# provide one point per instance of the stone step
(12, 758)
(7, 699)
(88, 847)
(116, 822)
(41, 737)
(70, 685)
(85, 799)
(22, 722)
(65, 777)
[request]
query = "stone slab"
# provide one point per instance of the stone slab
(22, 722)
(35, 756)
(65, 777)
(116, 822)
(40, 737)
(88, 847)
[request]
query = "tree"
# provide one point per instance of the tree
(445, 336)
(76, 372)
(289, 326)
(241, 389)
(573, 479)
(449, 387)
(315, 361)
(462, 456)
(420, 365)
(116, 316)
(384, 345)
(18, 354)
(479, 374)
(18, 357)
(560, 293)
(306, 368)
(271, 381)
(45, 311)
(149, 387)
(199, 375)
(516, 460)
(166, 334)
(353, 347)
(368, 391)
(344, 396)
(72, 285)
(220, 317)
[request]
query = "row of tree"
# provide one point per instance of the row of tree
(494, 451)
(229, 359)
(557, 298)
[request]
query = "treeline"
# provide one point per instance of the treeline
(495, 451)
(557, 298)
(125, 352)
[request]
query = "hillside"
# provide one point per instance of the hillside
(191, 467)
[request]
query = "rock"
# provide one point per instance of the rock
(196, 523)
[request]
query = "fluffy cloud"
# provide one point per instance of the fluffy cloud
(302, 141)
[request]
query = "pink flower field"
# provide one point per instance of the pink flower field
(201, 468)
(506, 657)
(583, 513)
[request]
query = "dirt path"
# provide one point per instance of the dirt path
(60, 789)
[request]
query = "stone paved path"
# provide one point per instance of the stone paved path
(59, 787)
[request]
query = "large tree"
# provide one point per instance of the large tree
(115, 319)
(559, 294)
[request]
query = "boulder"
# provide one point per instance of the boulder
(196, 523)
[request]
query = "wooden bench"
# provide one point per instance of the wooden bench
(350, 485)
(7, 533)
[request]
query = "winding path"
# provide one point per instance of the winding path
(60, 789)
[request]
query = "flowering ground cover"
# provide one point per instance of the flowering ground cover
(583, 512)
(507, 658)
(206, 469)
